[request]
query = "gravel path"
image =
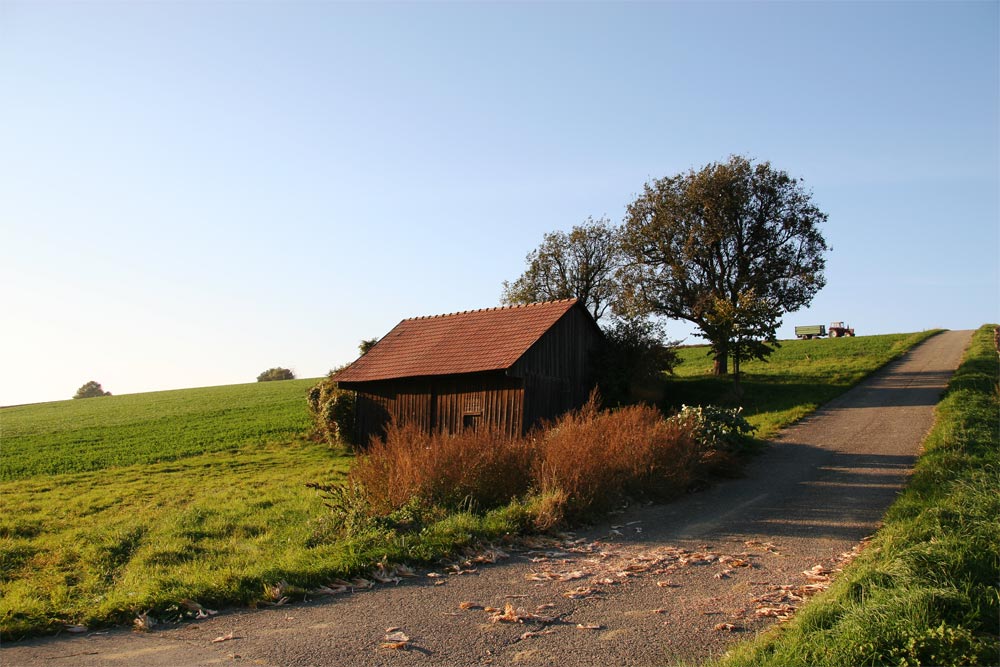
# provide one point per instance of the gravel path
(658, 585)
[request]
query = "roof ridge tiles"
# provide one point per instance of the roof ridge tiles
(493, 308)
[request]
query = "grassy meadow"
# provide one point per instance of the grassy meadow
(112, 431)
(113, 506)
(799, 377)
(924, 591)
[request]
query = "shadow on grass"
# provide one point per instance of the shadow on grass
(778, 393)
(755, 396)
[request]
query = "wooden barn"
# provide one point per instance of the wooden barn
(504, 368)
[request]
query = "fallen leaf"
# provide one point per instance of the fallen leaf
(660, 611)
(469, 605)
(224, 638)
(489, 556)
(434, 575)
(383, 576)
(396, 635)
(537, 633)
(725, 626)
(404, 571)
(276, 592)
(581, 592)
(361, 583)
(144, 622)
(667, 584)
(510, 614)
(395, 646)
(817, 573)
(581, 626)
(76, 629)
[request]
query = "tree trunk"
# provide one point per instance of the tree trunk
(721, 365)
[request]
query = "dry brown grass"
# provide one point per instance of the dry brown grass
(594, 459)
(585, 463)
(478, 469)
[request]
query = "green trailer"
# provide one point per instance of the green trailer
(810, 331)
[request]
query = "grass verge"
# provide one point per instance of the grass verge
(924, 592)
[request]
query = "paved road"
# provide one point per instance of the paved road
(658, 585)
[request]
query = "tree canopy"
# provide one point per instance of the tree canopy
(583, 263)
(91, 389)
(730, 248)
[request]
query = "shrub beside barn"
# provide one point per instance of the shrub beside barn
(504, 368)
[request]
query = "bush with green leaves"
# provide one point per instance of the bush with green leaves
(91, 390)
(274, 374)
(332, 412)
(723, 429)
(633, 361)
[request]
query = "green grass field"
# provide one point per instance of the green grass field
(113, 506)
(99, 433)
(798, 377)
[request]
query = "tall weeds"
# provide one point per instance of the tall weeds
(475, 469)
(595, 459)
(585, 463)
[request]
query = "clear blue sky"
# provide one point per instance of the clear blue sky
(191, 193)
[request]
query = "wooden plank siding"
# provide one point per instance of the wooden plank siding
(558, 369)
(444, 404)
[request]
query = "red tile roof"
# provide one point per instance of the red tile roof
(466, 342)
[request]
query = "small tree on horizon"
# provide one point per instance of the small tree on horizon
(273, 374)
(91, 389)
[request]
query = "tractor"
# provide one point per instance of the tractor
(840, 329)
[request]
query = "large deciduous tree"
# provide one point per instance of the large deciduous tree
(730, 248)
(583, 263)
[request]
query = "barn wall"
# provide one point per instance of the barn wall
(558, 370)
(445, 404)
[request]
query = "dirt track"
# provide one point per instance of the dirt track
(661, 579)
